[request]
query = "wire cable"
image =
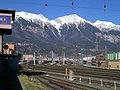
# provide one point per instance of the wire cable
(63, 6)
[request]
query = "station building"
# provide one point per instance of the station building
(10, 48)
(9, 59)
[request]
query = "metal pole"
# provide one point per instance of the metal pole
(115, 86)
(101, 81)
(89, 80)
(34, 58)
(80, 79)
(66, 73)
(2, 45)
(52, 54)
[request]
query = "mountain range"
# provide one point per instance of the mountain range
(71, 33)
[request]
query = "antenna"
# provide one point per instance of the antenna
(97, 44)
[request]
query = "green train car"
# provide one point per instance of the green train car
(113, 56)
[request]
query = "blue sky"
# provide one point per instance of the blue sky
(91, 10)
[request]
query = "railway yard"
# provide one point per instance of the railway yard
(58, 77)
(56, 52)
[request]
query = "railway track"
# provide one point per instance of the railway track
(65, 84)
(108, 76)
(51, 80)
(85, 71)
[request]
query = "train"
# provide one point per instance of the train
(113, 56)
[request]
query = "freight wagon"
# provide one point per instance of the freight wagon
(113, 60)
(113, 56)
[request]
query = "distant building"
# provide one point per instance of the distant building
(114, 64)
(29, 57)
(9, 48)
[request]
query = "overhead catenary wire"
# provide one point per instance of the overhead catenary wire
(62, 6)
(26, 3)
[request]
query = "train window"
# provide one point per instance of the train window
(5, 19)
(0, 19)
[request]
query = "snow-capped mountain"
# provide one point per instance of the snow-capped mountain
(106, 26)
(30, 17)
(69, 31)
(72, 27)
(69, 19)
(109, 30)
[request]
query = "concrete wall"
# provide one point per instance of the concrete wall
(0, 44)
(9, 63)
(114, 64)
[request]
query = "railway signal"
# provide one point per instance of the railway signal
(6, 22)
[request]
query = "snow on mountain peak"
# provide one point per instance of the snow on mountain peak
(106, 26)
(30, 16)
(70, 19)
(73, 18)
(98, 22)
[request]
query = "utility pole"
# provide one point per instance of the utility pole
(97, 44)
(63, 48)
(1, 44)
(52, 55)
(106, 54)
(63, 56)
(34, 58)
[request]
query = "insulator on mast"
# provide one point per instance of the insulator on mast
(46, 4)
(104, 7)
(72, 5)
